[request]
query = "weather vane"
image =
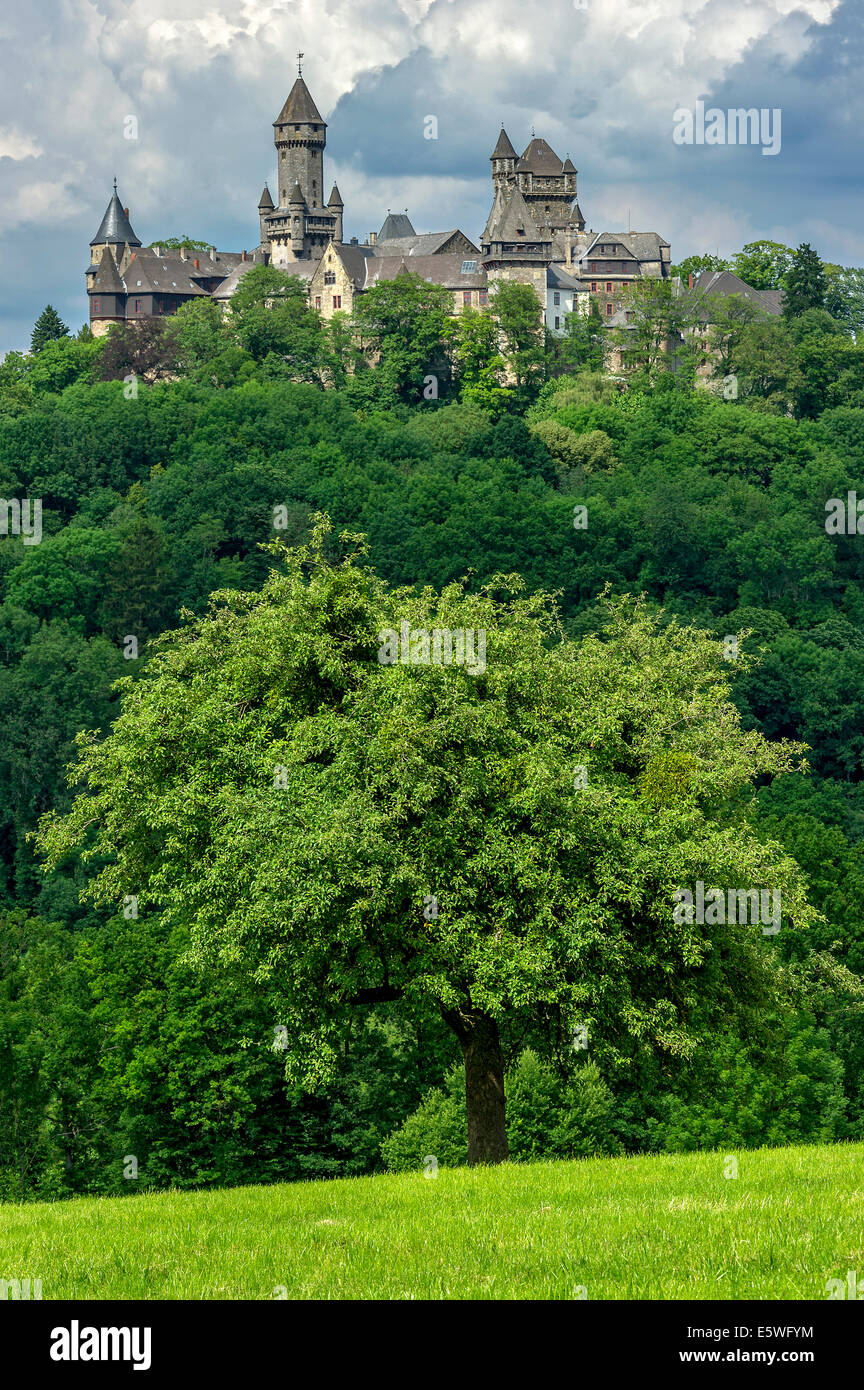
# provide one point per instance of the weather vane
(299, 64)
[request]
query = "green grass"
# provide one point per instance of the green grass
(665, 1227)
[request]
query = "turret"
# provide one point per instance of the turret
(335, 205)
(503, 160)
(265, 207)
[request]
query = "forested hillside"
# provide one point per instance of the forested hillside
(165, 466)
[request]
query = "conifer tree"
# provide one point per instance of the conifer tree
(47, 327)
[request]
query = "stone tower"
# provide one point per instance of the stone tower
(300, 135)
(301, 224)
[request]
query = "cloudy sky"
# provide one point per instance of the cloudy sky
(599, 79)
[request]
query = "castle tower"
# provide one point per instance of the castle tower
(115, 230)
(503, 161)
(300, 137)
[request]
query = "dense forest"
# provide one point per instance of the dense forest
(167, 457)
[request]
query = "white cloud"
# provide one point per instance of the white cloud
(16, 145)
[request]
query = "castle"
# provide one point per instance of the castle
(535, 233)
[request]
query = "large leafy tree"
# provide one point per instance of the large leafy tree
(492, 840)
(406, 324)
(271, 318)
(764, 265)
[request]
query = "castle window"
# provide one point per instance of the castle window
(138, 303)
(94, 306)
(468, 268)
(317, 301)
(337, 301)
(483, 297)
(593, 265)
(557, 321)
(593, 286)
(556, 298)
(608, 286)
(329, 277)
(625, 284)
(466, 296)
(610, 309)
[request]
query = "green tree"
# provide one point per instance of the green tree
(351, 831)
(407, 324)
(478, 363)
(271, 319)
(694, 265)
(583, 345)
(48, 326)
(519, 316)
(805, 284)
(763, 265)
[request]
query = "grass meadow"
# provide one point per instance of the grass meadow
(658, 1227)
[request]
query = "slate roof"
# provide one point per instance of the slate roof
(420, 244)
(437, 270)
(510, 214)
(540, 158)
(335, 199)
(503, 150)
(396, 224)
(725, 282)
(299, 107)
(265, 201)
(559, 278)
(115, 227)
(107, 277)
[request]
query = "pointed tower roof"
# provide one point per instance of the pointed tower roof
(512, 219)
(396, 224)
(541, 158)
(297, 199)
(503, 150)
(299, 107)
(569, 166)
(335, 199)
(265, 201)
(576, 216)
(107, 279)
(115, 226)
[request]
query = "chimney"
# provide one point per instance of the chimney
(690, 280)
(211, 252)
(353, 241)
(197, 264)
(373, 237)
(242, 255)
(569, 251)
(184, 253)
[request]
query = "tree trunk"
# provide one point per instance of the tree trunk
(484, 1085)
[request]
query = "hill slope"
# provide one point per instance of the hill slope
(667, 1227)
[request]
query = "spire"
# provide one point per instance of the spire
(297, 199)
(569, 166)
(115, 226)
(503, 150)
(335, 199)
(299, 107)
(265, 201)
(107, 280)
